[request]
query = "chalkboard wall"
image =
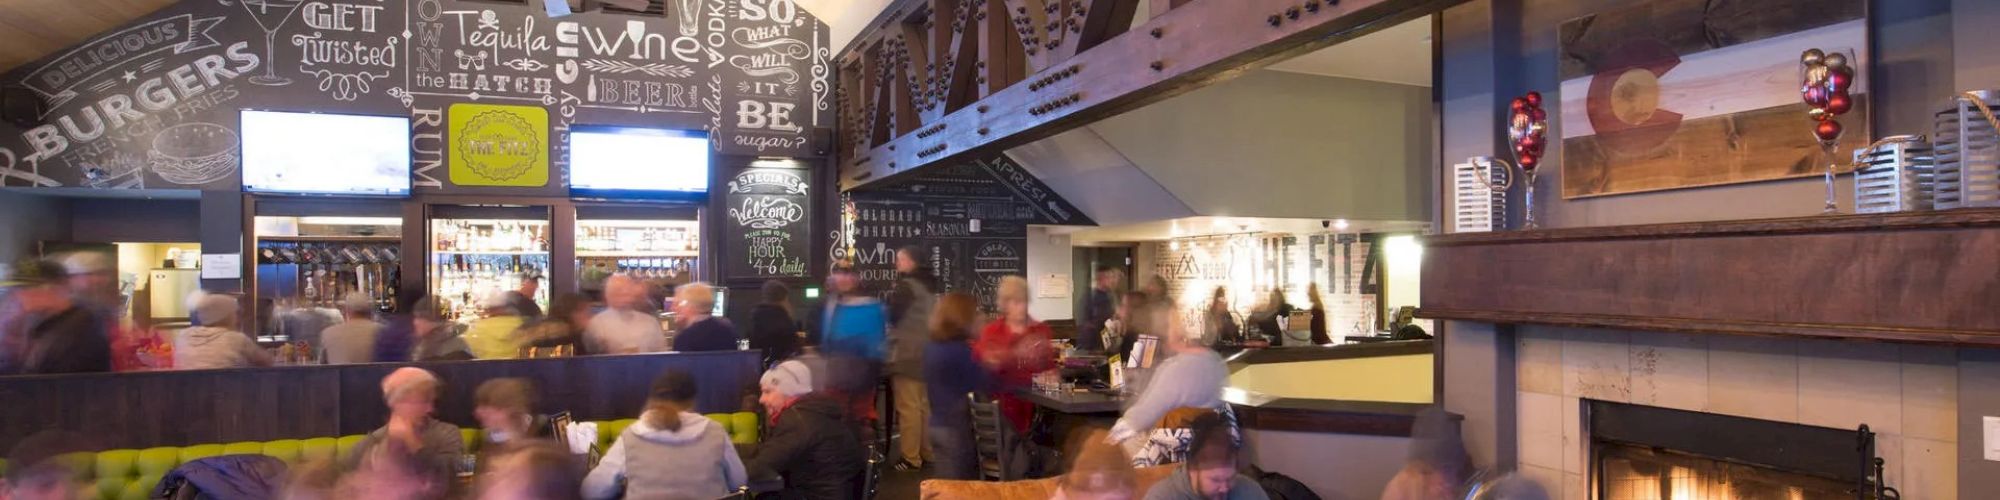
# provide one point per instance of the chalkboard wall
(154, 104)
(971, 218)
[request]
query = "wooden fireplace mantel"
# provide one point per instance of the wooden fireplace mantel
(1909, 277)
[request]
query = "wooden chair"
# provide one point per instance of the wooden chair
(990, 438)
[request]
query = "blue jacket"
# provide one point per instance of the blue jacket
(227, 477)
(859, 329)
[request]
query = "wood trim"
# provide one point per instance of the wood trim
(1817, 224)
(1348, 351)
(1907, 277)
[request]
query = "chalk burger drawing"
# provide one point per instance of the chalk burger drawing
(194, 153)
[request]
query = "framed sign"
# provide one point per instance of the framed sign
(767, 234)
(497, 145)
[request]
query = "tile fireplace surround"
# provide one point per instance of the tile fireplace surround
(1906, 393)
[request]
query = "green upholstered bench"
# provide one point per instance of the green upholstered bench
(132, 474)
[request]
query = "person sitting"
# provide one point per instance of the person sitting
(694, 306)
(505, 410)
(533, 470)
(216, 343)
(671, 452)
(492, 337)
(1101, 472)
(1192, 379)
(811, 444)
(622, 328)
(417, 450)
(36, 472)
(1210, 471)
(352, 341)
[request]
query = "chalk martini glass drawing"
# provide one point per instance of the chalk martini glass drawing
(270, 15)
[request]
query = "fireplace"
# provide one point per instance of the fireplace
(1650, 453)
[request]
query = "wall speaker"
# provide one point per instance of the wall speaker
(822, 141)
(21, 107)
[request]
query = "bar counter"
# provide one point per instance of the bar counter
(173, 408)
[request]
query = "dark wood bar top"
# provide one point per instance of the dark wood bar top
(1926, 277)
(175, 408)
(1076, 403)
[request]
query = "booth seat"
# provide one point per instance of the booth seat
(132, 474)
(1029, 489)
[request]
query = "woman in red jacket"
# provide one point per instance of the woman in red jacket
(1015, 347)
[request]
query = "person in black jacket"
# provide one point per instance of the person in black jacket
(772, 327)
(1100, 308)
(1319, 332)
(700, 331)
(50, 332)
(811, 442)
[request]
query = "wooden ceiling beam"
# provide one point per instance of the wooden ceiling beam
(1185, 48)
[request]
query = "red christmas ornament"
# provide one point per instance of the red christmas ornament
(1538, 114)
(1532, 143)
(1535, 99)
(1528, 162)
(1519, 105)
(1521, 149)
(1827, 131)
(1815, 97)
(1839, 103)
(1841, 79)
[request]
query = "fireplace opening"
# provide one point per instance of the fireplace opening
(1648, 453)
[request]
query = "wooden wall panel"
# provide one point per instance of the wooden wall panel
(137, 410)
(1916, 277)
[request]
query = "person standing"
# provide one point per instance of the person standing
(694, 304)
(1319, 331)
(352, 341)
(811, 443)
(772, 327)
(54, 334)
(1210, 471)
(1220, 324)
(562, 327)
(1015, 347)
(412, 441)
(492, 337)
(622, 328)
(1099, 309)
(855, 328)
(523, 298)
(950, 375)
(910, 304)
(671, 452)
(216, 343)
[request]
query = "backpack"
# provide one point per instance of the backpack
(1280, 486)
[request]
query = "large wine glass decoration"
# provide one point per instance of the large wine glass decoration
(1527, 136)
(1825, 79)
(270, 15)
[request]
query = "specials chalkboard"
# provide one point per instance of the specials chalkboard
(768, 224)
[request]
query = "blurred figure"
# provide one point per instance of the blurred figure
(523, 298)
(694, 306)
(1319, 332)
(671, 452)
(1219, 324)
(492, 337)
(1156, 289)
(1438, 466)
(1127, 323)
(505, 408)
(950, 374)
(811, 443)
(1099, 309)
(49, 333)
(855, 329)
(1512, 486)
(1210, 471)
(94, 283)
(910, 305)
(352, 341)
(535, 470)
(1101, 472)
(216, 343)
(34, 471)
(773, 329)
(623, 328)
(1191, 378)
(563, 326)
(413, 454)
(437, 339)
(1271, 317)
(397, 340)
(1015, 347)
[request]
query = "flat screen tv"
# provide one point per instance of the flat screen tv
(323, 153)
(638, 162)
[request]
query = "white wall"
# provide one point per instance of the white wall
(1334, 466)
(1049, 254)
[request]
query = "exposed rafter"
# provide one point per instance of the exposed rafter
(938, 79)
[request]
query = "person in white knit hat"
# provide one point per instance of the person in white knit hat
(216, 342)
(811, 442)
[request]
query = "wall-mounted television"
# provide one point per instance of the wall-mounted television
(324, 153)
(638, 162)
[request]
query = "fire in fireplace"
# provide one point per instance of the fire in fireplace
(1648, 453)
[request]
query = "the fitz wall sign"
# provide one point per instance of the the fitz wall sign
(1685, 93)
(155, 104)
(499, 145)
(970, 218)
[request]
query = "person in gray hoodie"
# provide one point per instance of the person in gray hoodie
(670, 453)
(1210, 471)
